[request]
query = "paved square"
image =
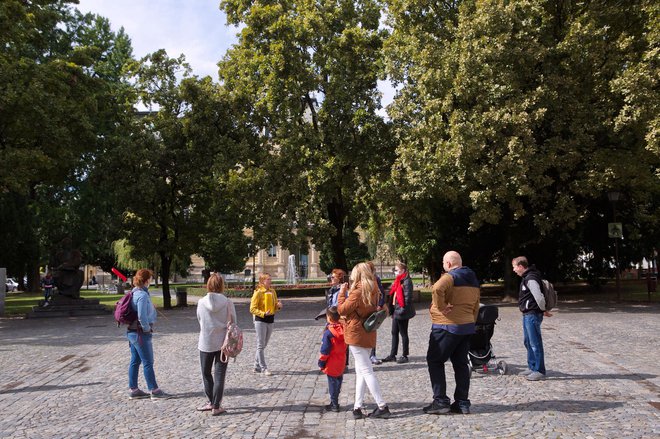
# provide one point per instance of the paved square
(64, 378)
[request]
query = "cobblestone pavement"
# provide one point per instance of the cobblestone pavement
(67, 377)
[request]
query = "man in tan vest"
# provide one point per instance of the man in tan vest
(454, 309)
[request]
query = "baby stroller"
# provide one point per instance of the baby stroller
(480, 353)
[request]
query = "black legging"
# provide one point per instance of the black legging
(399, 327)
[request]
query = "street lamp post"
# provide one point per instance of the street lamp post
(614, 197)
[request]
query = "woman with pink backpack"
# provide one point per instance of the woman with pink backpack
(214, 312)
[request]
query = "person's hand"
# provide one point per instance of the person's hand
(378, 308)
(268, 313)
(279, 305)
(343, 288)
(447, 309)
(547, 313)
(321, 364)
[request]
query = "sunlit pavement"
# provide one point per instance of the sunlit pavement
(67, 377)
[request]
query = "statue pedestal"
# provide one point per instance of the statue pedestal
(64, 306)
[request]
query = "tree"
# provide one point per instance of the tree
(514, 124)
(306, 75)
(52, 101)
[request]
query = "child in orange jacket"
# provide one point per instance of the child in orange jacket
(332, 360)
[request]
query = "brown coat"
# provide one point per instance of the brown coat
(464, 298)
(355, 313)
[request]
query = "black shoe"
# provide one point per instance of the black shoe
(436, 409)
(383, 413)
(455, 408)
(402, 359)
(357, 414)
(332, 407)
(389, 358)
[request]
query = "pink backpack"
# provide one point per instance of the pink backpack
(233, 343)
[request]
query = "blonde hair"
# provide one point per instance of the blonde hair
(215, 284)
(363, 276)
(262, 278)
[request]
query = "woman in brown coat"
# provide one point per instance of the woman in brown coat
(361, 302)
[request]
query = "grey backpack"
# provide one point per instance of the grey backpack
(550, 295)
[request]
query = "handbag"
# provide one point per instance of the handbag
(374, 321)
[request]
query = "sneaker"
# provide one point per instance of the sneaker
(525, 372)
(456, 408)
(267, 372)
(388, 359)
(218, 411)
(382, 413)
(436, 409)
(535, 376)
(159, 394)
(402, 359)
(256, 370)
(138, 394)
(332, 407)
(205, 408)
(357, 414)
(375, 361)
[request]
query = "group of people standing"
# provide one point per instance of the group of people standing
(453, 311)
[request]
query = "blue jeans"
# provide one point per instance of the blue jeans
(142, 352)
(334, 387)
(533, 341)
(443, 346)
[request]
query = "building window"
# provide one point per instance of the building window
(272, 251)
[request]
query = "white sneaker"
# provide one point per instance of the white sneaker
(267, 372)
(525, 372)
(535, 376)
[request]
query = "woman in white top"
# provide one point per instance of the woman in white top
(213, 313)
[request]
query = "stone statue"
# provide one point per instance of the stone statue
(67, 276)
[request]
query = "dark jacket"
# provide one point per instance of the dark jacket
(526, 301)
(408, 310)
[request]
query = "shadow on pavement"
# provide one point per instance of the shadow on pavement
(48, 388)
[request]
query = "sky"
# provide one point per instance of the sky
(196, 28)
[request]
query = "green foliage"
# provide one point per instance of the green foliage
(506, 117)
(306, 74)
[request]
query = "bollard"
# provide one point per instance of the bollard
(181, 297)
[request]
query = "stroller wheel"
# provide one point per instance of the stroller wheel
(501, 367)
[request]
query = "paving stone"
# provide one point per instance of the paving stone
(66, 377)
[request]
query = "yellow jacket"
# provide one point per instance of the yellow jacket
(262, 302)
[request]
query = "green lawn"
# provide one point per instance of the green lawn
(17, 304)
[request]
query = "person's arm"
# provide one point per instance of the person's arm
(326, 347)
(535, 289)
(254, 304)
(346, 305)
(407, 291)
(143, 305)
(438, 296)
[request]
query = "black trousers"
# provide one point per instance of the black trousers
(214, 383)
(400, 327)
(443, 346)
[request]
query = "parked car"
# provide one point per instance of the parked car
(11, 284)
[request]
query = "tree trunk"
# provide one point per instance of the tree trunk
(337, 216)
(166, 262)
(510, 284)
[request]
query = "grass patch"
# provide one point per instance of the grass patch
(18, 304)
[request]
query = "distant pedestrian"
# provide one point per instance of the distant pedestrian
(454, 309)
(332, 358)
(139, 335)
(403, 309)
(337, 277)
(362, 301)
(214, 311)
(47, 283)
(263, 306)
(531, 303)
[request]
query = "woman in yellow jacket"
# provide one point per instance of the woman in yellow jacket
(263, 306)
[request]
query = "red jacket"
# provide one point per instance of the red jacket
(332, 360)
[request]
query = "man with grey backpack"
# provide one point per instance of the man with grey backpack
(532, 303)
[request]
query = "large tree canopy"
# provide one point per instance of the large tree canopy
(306, 74)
